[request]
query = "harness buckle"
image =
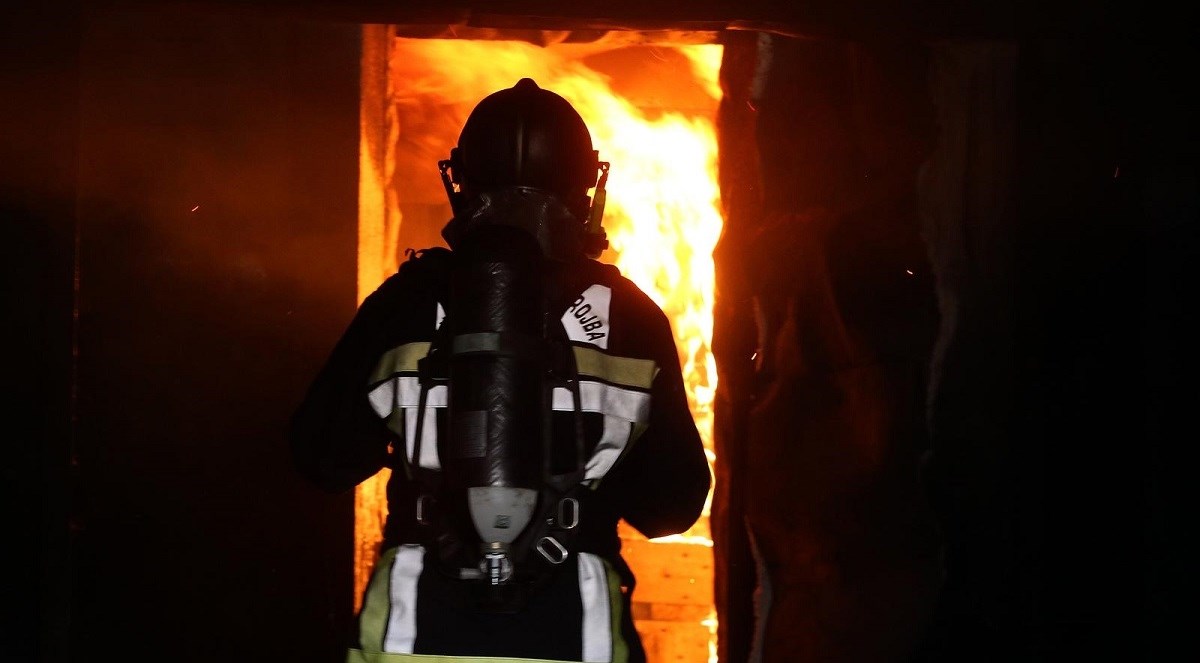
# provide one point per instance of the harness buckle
(552, 550)
(424, 508)
(568, 513)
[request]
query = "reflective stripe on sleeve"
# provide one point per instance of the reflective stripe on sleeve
(404, 391)
(625, 371)
(628, 404)
(400, 359)
(429, 454)
(616, 438)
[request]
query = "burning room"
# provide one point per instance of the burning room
(923, 267)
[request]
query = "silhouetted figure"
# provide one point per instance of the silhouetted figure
(526, 398)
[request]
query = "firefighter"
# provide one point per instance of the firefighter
(526, 397)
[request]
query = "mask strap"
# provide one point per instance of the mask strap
(452, 192)
(595, 239)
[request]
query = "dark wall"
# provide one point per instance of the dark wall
(38, 145)
(216, 209)
(842, 19)
(1058, 207)
(1055, 480)
(827, 548)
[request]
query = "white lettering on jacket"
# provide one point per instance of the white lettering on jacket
(586, 320)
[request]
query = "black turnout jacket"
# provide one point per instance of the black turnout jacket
(647, 467)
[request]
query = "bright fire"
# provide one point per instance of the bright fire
(663, 213)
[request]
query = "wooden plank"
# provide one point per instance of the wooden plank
(674, 642)
(671, 573)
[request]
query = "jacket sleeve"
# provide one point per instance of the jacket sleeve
(336, 438)
(664, 480)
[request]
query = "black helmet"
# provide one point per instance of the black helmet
(527, 148)
(529, 137)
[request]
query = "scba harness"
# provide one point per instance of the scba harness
(503, 510)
